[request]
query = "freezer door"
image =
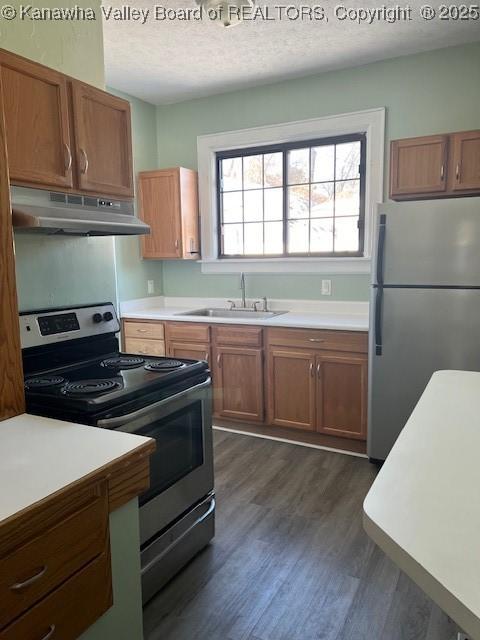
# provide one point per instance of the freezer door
(434, 243)
(422, 331)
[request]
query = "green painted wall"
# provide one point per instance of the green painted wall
(427, 93)
(123, 621)
(62, 271)
(132, 271)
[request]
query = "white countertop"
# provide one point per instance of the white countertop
(423, 509)
(305, 314)
(39, 456)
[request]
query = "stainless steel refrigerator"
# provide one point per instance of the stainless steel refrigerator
(424, 309)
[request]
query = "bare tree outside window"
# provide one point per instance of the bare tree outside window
(305, 199)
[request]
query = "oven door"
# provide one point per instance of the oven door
(181, 467)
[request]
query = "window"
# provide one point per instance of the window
(300, 199)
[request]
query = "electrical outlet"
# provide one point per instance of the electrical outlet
(326, 287)
(150, 286)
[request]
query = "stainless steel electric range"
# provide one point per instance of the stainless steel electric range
(75, 371)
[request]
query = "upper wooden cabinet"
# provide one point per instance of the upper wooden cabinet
(466, 160)
(418, 166)
(35, 103)
(103, 141)
(169, 204)
(440, 166)
(12, 396)
(62, 133)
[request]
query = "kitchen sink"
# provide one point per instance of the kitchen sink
(231, 313)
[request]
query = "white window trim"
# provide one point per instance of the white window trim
(371, 121)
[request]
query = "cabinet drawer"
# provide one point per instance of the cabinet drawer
(188, 332)
(36, 567)
(237, 336)
(352, 341)
(70, 609)
(145, 347)
(142, 330)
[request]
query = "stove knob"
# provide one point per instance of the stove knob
(107, 316)
(97, 317)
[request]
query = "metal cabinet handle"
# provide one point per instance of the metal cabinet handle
(219, 359)
(316, 340)
(457, 171)
(26, 583)
(176, 244)
(319, 368)
(206, 356)
(68, 157)
(442, 172)
(50, 632)
(142, 330)
(311, 369)
(85, 160)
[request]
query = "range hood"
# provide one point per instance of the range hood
(53, 212)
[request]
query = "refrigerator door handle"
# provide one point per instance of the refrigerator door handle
(382, 229)
(378, 320)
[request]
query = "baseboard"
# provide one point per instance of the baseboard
(257, 432)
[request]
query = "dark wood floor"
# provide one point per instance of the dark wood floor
(290, 560)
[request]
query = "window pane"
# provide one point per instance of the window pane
(232, 174)
(273, 204)
(232, 207)
(323, 163)
(273, 169)
(233, 239)
(273, 237)
(298, 162)
(347, 198)
(298, 200)
(298, 236)
(254, 238)
(321, 235)
(322, 200)
(347, 161)
(252, 172)
(346, 234)
(253, 205)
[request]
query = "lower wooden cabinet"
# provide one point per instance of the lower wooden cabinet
(291, 388)
(313, 380)
(238, 383)
(325, 393)
(342, 395)
(189, 350)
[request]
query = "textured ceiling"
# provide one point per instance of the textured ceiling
(173, 60)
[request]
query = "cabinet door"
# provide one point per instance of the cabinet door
(466, 160)
(238, 383)
(291, 388)
(342, 395)
(189, 350)
(418, 166)
(159, 196)
(35, 102)
(103, 141)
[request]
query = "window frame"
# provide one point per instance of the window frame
(284, 148)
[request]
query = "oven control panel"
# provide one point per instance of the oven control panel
(49, 326)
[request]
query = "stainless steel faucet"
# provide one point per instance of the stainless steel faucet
(242, 287)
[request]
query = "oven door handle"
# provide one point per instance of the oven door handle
(118, 421)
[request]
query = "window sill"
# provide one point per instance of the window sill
(329, 266)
